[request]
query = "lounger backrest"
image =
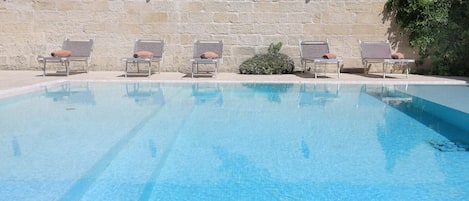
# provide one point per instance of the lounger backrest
(154, 46)
(313, 49)
(203, 46)
(79, 48)
(375, 50)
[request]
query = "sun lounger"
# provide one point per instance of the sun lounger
(78, 51)
(146, 51)
(317, 52)
(207, 52)
(380, 52)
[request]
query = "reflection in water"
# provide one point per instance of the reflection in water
(145, 94)
(304, 149)
(205, 93)
(243, 178)
(397, 136)
(16, 147)
(311, 95)
(238, 166)
(152, 147)
(272, 91)
(396, 144)
(76, 93)
(438, 117)
(391, 95)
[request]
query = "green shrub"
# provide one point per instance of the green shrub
(273, 62)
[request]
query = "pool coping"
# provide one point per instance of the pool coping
(18, 82)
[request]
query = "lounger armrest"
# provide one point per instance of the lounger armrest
(399, 60)
(328, 60)
(49, 59)
(131, 59)
(204, 60)
(308, 59)
(78, 58)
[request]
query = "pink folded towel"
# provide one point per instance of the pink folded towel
(209, 55)
(61, 53)
(397, 55)
(143, 54)
(329, 56)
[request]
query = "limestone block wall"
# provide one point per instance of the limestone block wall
(29, 28)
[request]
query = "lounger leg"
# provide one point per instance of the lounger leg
(126, 66)
(303, 63)
(315, 70)
(67, 67)
(44, 70)
(159, 67)
(338, 69)
(325, 69)
(149, 69)
(192, 70)
(365, 66)
(384, 70)
(216, 69)
(406, 71)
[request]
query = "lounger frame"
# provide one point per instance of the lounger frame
(380, 52)
(313, 52)
(81, 52)
(202, 46)
(154, 46)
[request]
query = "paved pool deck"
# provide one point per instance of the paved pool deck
(15, 82)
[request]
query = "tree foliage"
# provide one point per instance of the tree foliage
(438, 28)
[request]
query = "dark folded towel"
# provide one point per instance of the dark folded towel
(329, 56)
(397, 55)
(61, 53)
(209, 55)
(143, 54)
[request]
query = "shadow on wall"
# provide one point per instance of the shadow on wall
(393, 32)
(395, 35)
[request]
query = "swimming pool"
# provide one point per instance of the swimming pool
(229, 141)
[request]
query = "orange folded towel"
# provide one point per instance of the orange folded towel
(397, 55)
(329, 56)
(143, 54)
(61, 53)
(209, 55)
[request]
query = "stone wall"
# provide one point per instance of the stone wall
(29, 28)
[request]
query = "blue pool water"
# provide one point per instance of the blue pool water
(212, 141)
